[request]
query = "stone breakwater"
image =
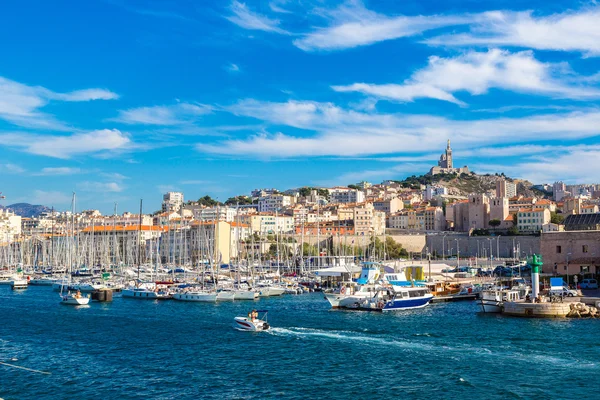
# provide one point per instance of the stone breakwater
(581, 310)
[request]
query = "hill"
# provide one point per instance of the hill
(465, 184)
(26, 209)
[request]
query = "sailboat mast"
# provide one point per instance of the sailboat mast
(140, 240)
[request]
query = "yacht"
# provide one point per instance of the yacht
(146, 291)
(196, 295)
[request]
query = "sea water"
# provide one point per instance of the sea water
(136, 349)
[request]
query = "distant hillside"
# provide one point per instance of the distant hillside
(27, 210)
(465, 184)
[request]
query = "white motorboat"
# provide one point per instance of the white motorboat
(196, 295)
(19, 284)
(76, 299)
(270, 290)
(491, 300)
(252, 323)
(349, 294)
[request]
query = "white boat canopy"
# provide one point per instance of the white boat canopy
(338, 271)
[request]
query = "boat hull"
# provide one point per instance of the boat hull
(407, 304)
(226, 296)
(144, 294)
(245, 295)
(244, 324)
(205, 297)
(343, 300)
(271, 291)
(70, 300)
(19, 284)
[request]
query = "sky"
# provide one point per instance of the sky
(120, 100)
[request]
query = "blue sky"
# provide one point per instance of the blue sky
(122, 100)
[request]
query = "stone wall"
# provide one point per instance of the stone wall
(480, 245)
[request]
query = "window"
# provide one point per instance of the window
(584, 248)
(558, 249)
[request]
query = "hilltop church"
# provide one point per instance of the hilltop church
(445, 164)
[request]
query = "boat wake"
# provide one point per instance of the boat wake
(418, 345)
(348, 336)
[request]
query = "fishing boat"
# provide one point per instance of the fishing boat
(251, 322)
(491, 300)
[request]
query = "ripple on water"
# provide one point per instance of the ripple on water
(138, 350)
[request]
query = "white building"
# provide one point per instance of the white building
(346, 195)
(433, 191)
(10, 226)
(274, 202)
(532, 219)
(172, 201)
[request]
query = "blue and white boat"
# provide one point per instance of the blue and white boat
(408, 298)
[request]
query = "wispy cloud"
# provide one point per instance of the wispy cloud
(556, 164)
(11, 169)
(232, 68)
(68, 146)
(176, 114)
(247, 19)
(20, 104)
(48, 171)
(276, 6)
(569, 31)
(100, 187)
(194, 182)
(353, 25)
(476, 73)
(49, 198)
(341, 132)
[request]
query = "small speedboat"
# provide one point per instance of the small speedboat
(76, 299)
(251, 322)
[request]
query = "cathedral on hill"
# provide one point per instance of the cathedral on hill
(445, 165)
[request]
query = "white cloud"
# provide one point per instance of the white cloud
(49, 198)
(476, 73)
(180, 113)
(243, 17)
(100, 187)
(233, 68)
(569, 31)
(194, 182)
(275, 6)
(167, 188)
(114, 176)
(20, 104)
(557, 166)
(59, 171)
(341, 132)
(11, 168)
(68, 146)
(353, 25)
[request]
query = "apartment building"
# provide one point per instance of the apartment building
(532, 219)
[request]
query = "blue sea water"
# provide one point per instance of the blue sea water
(135, 349)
